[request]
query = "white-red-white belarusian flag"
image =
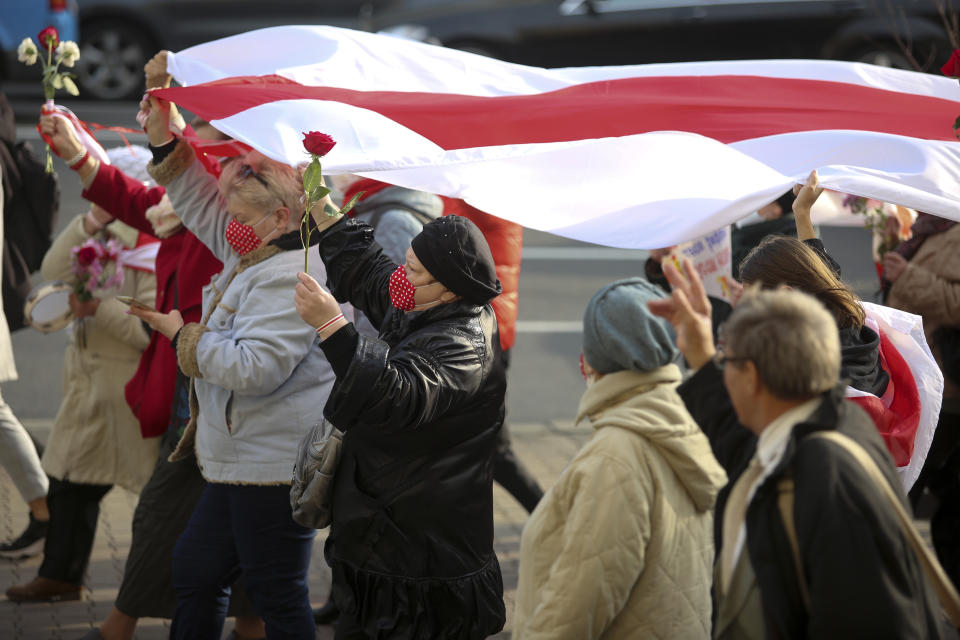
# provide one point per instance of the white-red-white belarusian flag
(906, 416)
(632, 156)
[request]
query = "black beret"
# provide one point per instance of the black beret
(453, 249)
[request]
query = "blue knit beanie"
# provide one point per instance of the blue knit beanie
(620, 333)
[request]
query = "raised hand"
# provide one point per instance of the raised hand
(156, 71)
(807, 195)
(157, 120)
(63, 139)
(688, 310)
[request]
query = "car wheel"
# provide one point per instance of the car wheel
(112, 55)
(888, 54)
(886, 58)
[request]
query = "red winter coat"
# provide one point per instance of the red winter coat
(184, 266)
(506, 244)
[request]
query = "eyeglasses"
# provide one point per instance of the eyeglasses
(719, 359)
(246, 171)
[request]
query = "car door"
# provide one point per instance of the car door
(205, 20)
(691, 30)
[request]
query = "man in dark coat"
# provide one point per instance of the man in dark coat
(772, 384)
(411, 540)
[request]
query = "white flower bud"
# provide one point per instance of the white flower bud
(27, 52)
(68, 53)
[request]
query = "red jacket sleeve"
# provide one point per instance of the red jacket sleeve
(125, 198)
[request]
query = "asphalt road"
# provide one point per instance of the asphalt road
(558, 278)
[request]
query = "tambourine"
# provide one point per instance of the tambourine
(48, 306)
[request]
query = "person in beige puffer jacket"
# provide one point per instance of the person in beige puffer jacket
(622, 545)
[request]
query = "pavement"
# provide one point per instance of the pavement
(545, 448)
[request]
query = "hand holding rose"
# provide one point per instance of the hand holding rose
(316, 306)
(83, 309)
(63, 139)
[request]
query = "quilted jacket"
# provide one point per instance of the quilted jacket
(622, 545)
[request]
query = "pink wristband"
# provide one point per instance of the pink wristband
(329, 322)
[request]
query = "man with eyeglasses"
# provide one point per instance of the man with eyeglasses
(835, 563)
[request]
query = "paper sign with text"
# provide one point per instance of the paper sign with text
(711, 257)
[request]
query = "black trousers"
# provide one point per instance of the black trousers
(509, 472)
(941, 475)
(348, 629)
(166, 503)
(74, 509)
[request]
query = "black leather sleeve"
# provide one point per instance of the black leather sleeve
(358, 271)
(412, 386)
(707, 400)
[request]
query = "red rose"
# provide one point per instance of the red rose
(49, 34)
(318, 144)
(86, 256)
(952, 68)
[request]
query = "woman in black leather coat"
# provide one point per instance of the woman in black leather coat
(411, 540)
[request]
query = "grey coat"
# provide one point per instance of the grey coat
(260, 381)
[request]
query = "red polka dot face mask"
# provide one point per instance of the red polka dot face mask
(242, 237)
(402, 291)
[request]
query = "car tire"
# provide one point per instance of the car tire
(888, 54)
(112, 55)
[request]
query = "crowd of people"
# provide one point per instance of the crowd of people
(730, 487)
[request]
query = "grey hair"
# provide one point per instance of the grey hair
(790, 337)
(285, 185)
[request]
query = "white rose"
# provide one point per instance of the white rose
(27, 51)
(68, 53)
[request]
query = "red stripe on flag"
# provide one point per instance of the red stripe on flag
(726, 108)
(897, 423)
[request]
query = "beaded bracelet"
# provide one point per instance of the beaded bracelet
(329, 322)
(79, 163)
(77, 157)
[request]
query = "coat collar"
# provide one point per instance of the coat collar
(613, 388)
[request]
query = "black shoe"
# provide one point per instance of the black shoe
(327, 614)
(30, 542)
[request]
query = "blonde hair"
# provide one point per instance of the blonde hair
(790, 337)
(284, 185)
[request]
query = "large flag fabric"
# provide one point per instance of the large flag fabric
(906, 416)
(629, 156)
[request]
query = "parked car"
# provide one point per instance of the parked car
(119, 36)
(21, 19)
(559, 33)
